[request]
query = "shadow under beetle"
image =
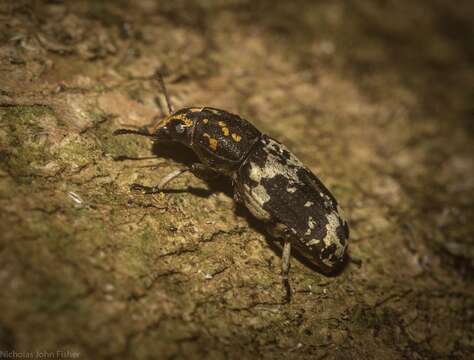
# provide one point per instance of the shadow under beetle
(267, 179)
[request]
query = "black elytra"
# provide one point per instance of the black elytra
(268, 179)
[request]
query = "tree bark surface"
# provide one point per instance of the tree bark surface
(374, 97)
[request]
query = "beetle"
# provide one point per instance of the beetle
(268, 179)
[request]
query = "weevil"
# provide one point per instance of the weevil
(268, 179)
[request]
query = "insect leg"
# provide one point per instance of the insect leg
(285, 267)
(133, 158)
(155, 189)
(197, 169)
(203, 172)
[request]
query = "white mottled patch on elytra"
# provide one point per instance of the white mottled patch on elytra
(308, 204)
(261, 194)
(308, 232)
(255, 172)
(292, 160)
(341, 213)
(313, 242)
(331, 237)
(253, 199)
(273, 167)
(328, 204)
(311, 223)
(325, 196)
(255, 196)
(258, 173)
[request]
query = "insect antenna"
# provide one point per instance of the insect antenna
(129, 131)
(164, 91)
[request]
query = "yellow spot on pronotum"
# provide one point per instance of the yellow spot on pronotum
(212, 141)
(213, 144)
(182, 118)
(236, 137)
(224, 128)
(187, 122)
(205, 121)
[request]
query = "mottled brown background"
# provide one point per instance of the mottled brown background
(375, 96)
